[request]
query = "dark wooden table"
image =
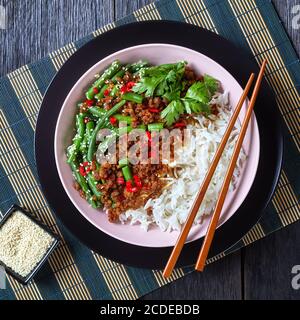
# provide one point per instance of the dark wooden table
(260, 271)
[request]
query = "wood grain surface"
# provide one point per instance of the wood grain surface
(260, 271)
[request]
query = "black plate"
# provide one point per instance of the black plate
(239, 64)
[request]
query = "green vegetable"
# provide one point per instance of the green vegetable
(83, 184)
(172, 112)
(100, 95)
(106, 75)
(193, 106)
(173, 95)
(127, 173)
(141, 127)
(122, 118)
(137, 66)
(123, 162)
(96, 111)
(99, 125)
(196, 100)
(155, 126)
(85, 141)
(93, 185)
(202, 91)
(134, 97)
(160, 80)
(128, 129)
(119, 74)
(74, 148)
(114, 91)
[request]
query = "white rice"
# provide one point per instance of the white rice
(170, 210)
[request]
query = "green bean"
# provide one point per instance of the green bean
(92, 182)
(127, 173)
(85, 141)
(134, 97)
(119, 74)
(123, 162)
(100, 95)
(135, 67)
(97, 111)
(141, 127)
(73, 149)
(155, 126)
(106, 75)
(114, 91)
(83, 184)
(128, 129)
(122, 118)
(99, 125)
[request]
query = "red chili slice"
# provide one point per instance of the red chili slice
(112, 120)
(90, 103)
(137, 181)
(96, 90)
(136, 177)
(87, 170)
(139, 184)
(133, 189)
(123, 89)
(179, 125)
(129, 184)
(82, 171)
(106, 92)
(153, 110)
(148, 133)
(130, 85)
(120, 180)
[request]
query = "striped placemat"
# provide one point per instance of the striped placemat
(73, 271)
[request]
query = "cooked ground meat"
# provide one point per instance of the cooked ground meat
(76, 186)
(117, 199)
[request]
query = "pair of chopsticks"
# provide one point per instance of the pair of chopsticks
(224, 190)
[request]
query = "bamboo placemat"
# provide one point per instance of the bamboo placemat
(73, 271)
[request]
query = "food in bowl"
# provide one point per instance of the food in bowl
(176, 120)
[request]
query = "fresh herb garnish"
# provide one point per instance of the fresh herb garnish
(172, 112)
(166, 81)
(202, 91)
(163, 80)
(196, 100)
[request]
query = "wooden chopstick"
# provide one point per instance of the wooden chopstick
(201, 193)
(225, 186)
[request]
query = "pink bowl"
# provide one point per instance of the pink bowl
(155, 54)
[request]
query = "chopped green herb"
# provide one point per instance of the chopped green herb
(196, 100)
(172, 112)
(161, 80)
